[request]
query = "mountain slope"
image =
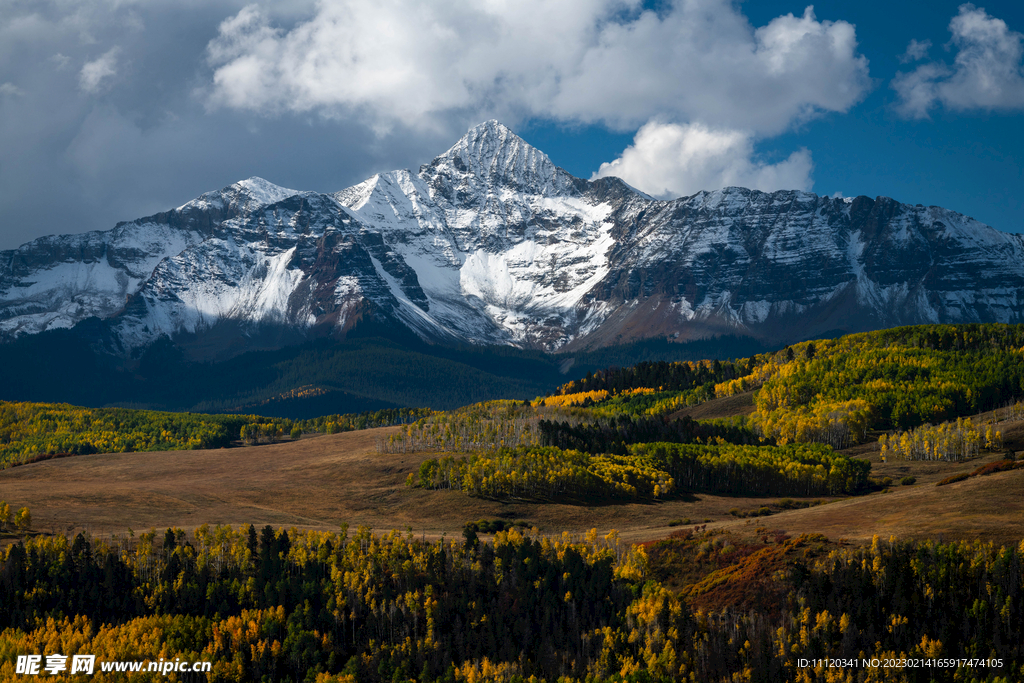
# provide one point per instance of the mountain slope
(491, 243)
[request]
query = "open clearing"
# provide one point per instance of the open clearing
(728, 406)
(321, 482)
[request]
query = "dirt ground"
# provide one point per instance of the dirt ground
(318, 482)
(989, 508)
(321, 482)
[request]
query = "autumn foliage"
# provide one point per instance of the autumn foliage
(282, 605)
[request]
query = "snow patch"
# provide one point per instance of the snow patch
(263, 191)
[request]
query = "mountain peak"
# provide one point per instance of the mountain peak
(245, 195)
(493, 141)
(493, 130)
(263, 191)
(492, 153)
(490, 126)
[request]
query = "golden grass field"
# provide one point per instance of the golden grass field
(320, 482)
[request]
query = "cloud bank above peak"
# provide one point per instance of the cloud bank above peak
(670, 160)
(590, 61)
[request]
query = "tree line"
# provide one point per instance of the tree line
(369, 419)
(949, 441)
(31, 430)
(792, 469)
(665, 376)
(617, 433)
(646, 470)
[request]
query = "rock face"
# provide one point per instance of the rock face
(492, 243)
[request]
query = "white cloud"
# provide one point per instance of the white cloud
(10, 90)
(669, 160)
(596, 61)
(987, 73)
(916, 50)
(95, 72)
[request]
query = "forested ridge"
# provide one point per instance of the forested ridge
(889, 379)
(832, 391)
(893, 379)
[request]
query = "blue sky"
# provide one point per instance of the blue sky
(111, 110)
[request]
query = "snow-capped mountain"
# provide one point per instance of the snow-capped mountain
(492, 243)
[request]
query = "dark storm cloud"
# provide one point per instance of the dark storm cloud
(102, 118)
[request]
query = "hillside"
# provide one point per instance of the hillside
(363, 372)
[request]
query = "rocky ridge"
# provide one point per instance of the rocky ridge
(492, 243)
